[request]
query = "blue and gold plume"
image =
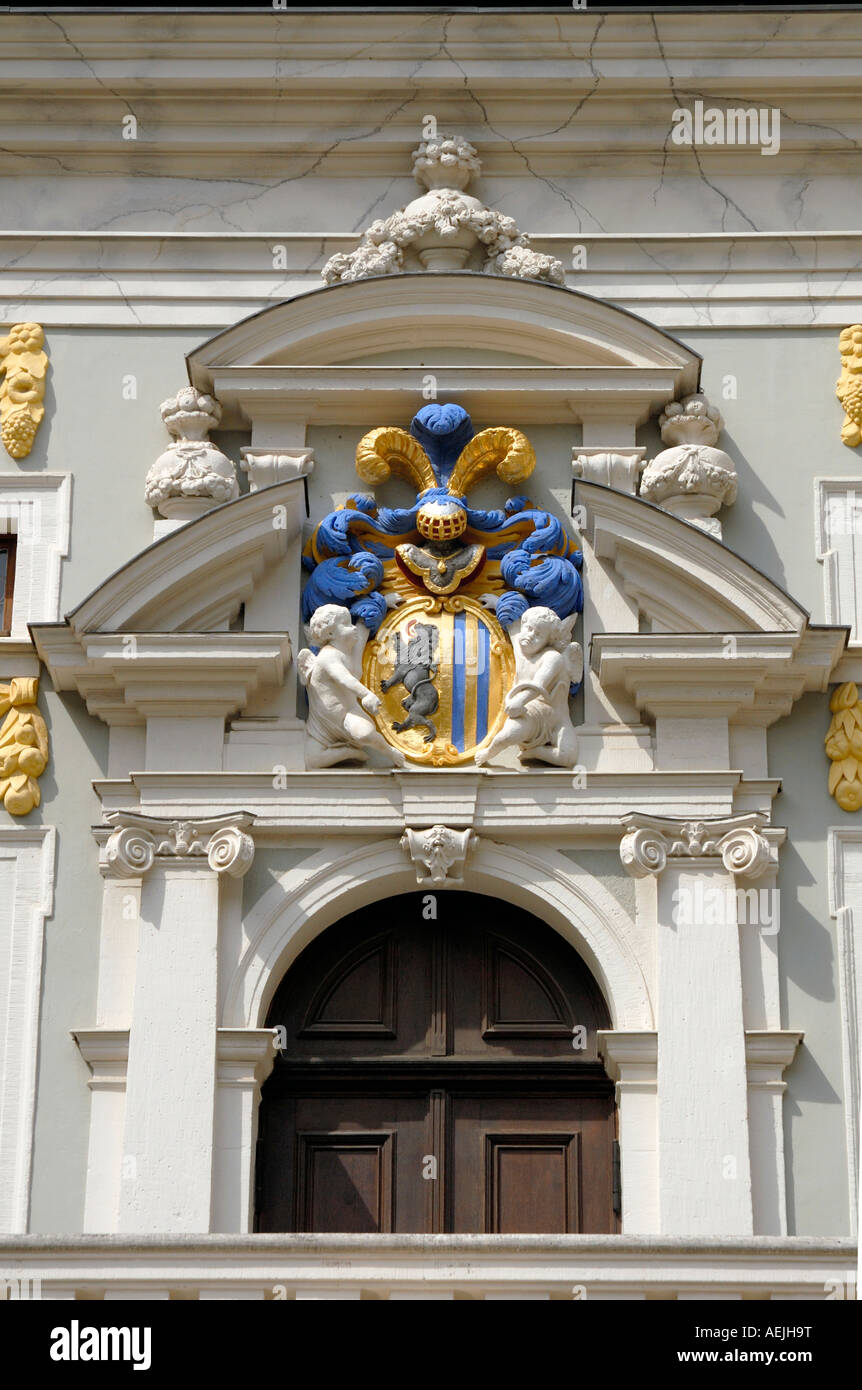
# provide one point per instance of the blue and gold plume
(528, 549)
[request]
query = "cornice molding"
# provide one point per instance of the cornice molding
(244, 1057)
(751, 678)
(631, 1059)
(344, 33)
(210, 280)
(557, 326)
(241, 84)
(126, 678)
(362, 395)
(504, 806)
(106, 1052)
(768, 1052)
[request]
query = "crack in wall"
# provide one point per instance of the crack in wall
(255, 189)
(88, 65)
(728, 201)
(579, 106)
(576, 207)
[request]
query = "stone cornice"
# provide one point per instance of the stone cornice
(545, 805)
(106, 1052)
(244, 1056)
(767, 1053)
(210, 280)
(749, 678)
(210, 34)
(124, 678)
(630, 1058)
(241, 84)
(351, 395)
(607, 1265)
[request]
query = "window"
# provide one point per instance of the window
(7, 583)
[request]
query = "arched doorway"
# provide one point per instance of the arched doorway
(440, 1073)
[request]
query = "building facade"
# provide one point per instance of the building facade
(430, 850)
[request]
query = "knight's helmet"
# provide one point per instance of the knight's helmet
(443, 458)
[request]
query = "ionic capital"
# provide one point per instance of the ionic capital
(136, 842)
(739, 841)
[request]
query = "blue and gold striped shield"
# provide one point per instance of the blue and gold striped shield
(441, 668)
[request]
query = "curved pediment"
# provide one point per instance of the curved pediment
(550, 324)
(540, 350)
(170, 608)
(715, 634)
(195, 578)
(681, 578)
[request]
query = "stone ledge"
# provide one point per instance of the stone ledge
(393, 1266)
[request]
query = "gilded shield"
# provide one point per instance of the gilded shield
(441, 667)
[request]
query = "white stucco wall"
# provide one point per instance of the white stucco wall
(116, 310)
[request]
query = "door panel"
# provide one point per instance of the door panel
(532, 1163)
(429, 1082)
(363, 989)
(514, 993)
(344, 1182)
(358, 999)
(531, 1183)
(343, 1162)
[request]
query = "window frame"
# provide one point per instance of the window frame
(9, 545)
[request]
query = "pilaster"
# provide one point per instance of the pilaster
(631, 1061)
(705, 1179)
(244, 1059)
(106, 1052)
(767, 1056)
(168, 1134)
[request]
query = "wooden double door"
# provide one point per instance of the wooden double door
(440, 1074)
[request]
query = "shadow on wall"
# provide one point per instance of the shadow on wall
(90, 742)
(808, 974)
(743, 529)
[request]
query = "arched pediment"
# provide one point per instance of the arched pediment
(681, 578)
(343, 323)
(195, 578)
(171, 608)
(541, 350)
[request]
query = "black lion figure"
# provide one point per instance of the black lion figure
(415, 669)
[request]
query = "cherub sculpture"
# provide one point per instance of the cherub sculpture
(339, 726)
(537, 720)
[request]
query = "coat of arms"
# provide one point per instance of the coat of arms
(442, 590)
